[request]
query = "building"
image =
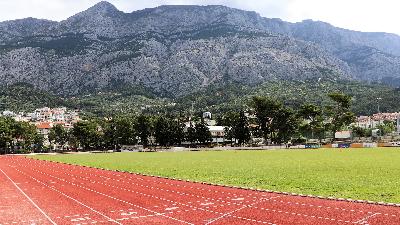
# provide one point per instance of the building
(207, 115)
(217, 133)
(43, 128)
(46, 118)
(371, 122)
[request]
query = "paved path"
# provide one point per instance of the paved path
(39, 192)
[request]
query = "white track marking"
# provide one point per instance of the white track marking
(218, 200)
(82, 171)
(196, 208)
(276, 211)
(365, 220)
(146, 186)
(67, 196)
(44, 214)
(193, 207)
(156, 180)
(152, 179)
(77, 185)
(236, 210)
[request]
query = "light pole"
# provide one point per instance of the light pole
(379, 119)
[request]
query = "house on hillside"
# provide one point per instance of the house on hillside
(218, 134)
(43, 128)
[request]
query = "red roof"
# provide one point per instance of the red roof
(43, 126)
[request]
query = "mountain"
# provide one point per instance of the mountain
(179, 50)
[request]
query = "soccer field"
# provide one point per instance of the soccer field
(368, 174)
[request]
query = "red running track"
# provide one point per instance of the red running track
(39, 192)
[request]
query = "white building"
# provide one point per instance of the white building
(217, 133)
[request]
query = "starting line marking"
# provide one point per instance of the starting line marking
(44, 214)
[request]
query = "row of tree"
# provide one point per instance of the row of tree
(264, 118)
(146, 130)
(277, 123)
(18, 136)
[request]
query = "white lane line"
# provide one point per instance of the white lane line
(237, 210)
(365, 220)
(73, 199)
(146, 186)
(108, 196)
(152, 196)
(81, 169)
(44, 214)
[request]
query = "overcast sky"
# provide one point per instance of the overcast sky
(362, 15)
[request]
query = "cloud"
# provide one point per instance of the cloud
(364, 15)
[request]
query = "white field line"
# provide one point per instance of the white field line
(33, 203)
(77, 185)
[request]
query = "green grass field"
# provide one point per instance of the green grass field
(368, 174)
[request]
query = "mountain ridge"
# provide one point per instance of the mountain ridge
(177, 50)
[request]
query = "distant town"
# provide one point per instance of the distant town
(380, 127)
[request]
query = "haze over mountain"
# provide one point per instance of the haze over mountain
(177, 50)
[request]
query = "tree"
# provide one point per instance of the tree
(386, 127)
(38, 143)
(241, 131)
(340, 112)
(13, 133)
(162, 131)
(203, 134)
(229, 120)
(6, 134)
(191, 134)
(59, 135)
(284, 125)
(87, 134)
(25, 133)
(119, 131)
(265, 110)
(314, 121)
(177, 131)
(168, 131)
(143, 129)
(361, 132)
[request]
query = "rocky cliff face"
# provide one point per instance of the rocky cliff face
(177, 50)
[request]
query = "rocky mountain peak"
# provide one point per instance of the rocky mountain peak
(100, 10)
(100, 19)
(103, 8)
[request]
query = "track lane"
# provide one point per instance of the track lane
(202, 204)
(144, 197)
(98, 201)
(298, 206)
(201, 191)
(59, 208)
(12, 202)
